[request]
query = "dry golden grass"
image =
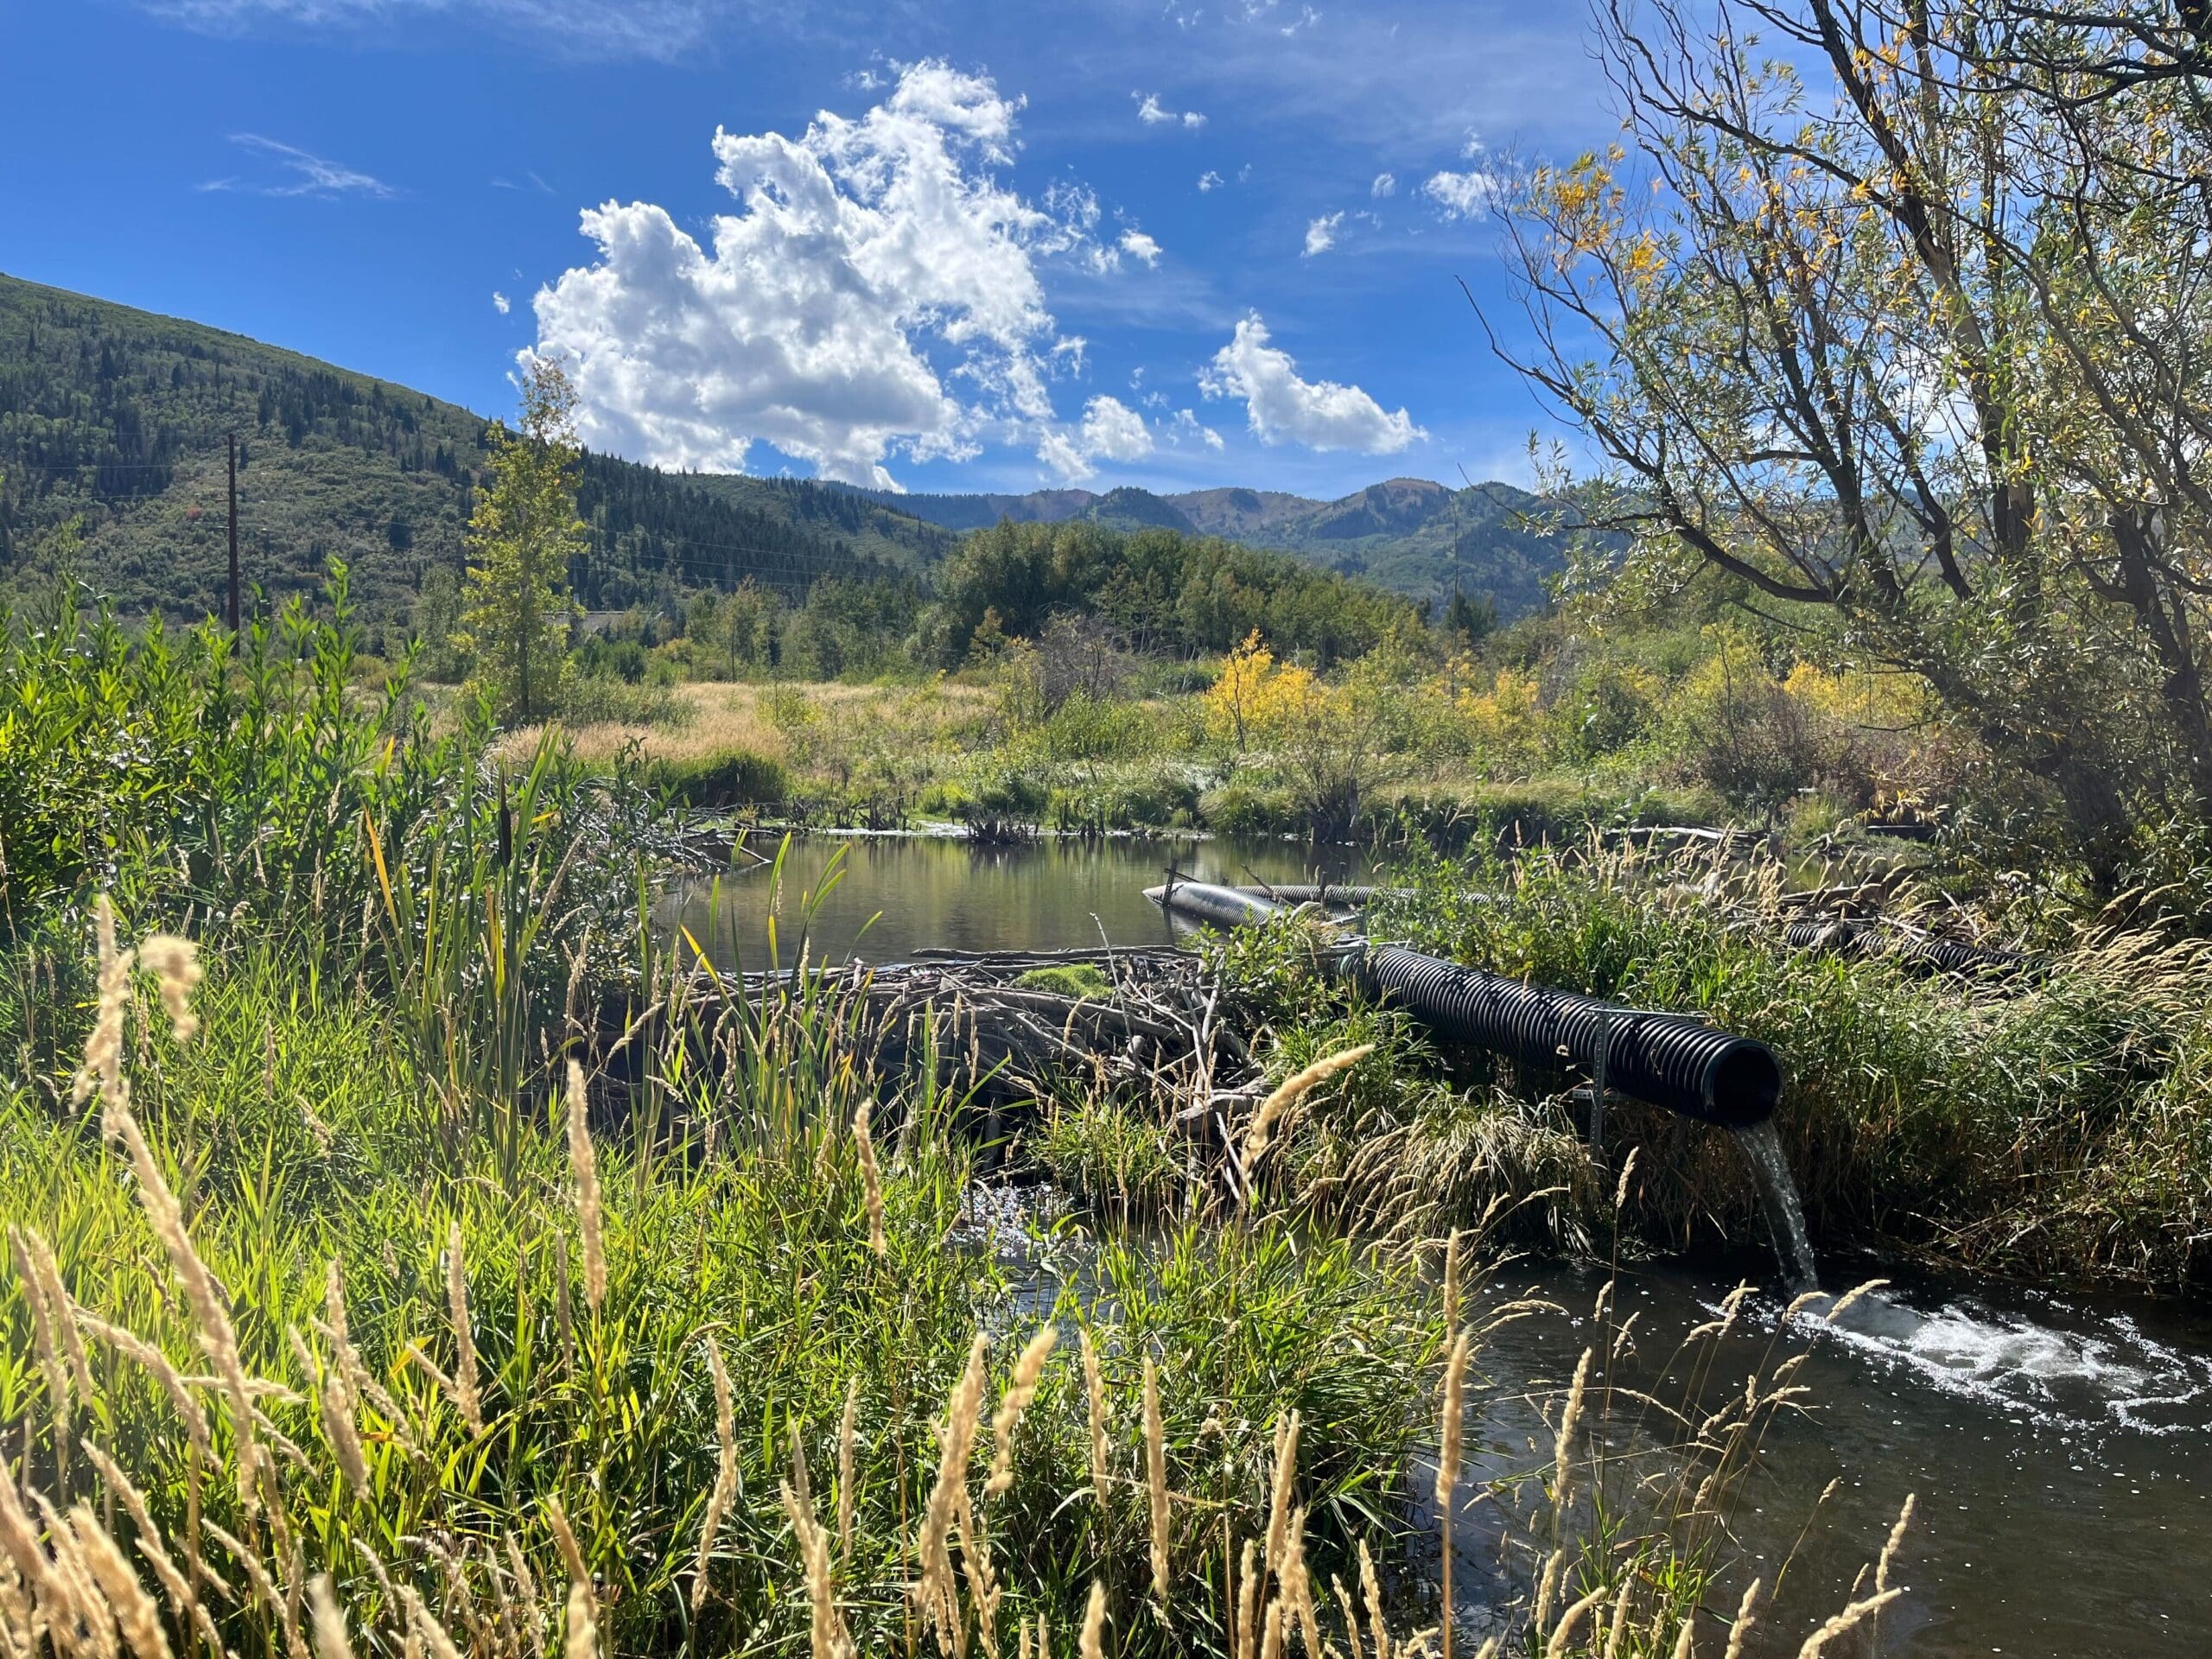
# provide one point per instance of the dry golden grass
(737, 716)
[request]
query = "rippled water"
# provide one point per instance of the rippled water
(2060, 1450)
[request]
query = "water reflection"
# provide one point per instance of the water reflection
(899, 893)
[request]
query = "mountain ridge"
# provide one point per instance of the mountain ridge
(117, 419)
(1412, 535)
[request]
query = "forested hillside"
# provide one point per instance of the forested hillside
(115, 422)
(1410, 535)
(118, 419)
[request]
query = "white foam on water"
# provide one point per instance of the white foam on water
(2114, 1376)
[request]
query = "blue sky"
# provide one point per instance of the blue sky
(955, 246)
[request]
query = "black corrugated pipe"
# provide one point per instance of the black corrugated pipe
(1940, 956)
(1667, 1060)
(1664, 1058)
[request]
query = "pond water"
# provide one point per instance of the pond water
(2059, 1447)
(895, 893)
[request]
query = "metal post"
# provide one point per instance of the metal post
(1597, 1085)
(234, 533)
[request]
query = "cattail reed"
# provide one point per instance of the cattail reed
(1155, 1469)
(1102, 1451)
(725, 1488)
(583, 1163)
(1293, 1088)
(464, 1378)
(871, 1180)
(847, 1433)
(1020, 1389)
(1451, 1428)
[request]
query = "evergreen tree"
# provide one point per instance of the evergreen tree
(521, 538)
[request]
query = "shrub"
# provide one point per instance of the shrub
(723, 778)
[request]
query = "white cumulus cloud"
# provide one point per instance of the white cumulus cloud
(1110, 430)
(1321, 234)
(1461, 195)
(1281, 407)
(1113, 431)
(877, 264)
(1138, 246)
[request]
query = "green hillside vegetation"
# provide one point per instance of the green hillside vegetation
(1409, 535)
(117, 420)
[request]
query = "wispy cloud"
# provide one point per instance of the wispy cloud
(300, 172)
(656, 30)
(1153, 113)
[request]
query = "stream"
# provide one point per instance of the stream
(2059, 1446)
(2060, 1449)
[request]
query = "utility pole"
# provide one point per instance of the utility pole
(234, 532)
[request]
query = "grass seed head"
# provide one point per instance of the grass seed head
(1020, 1389)
(1102, 1450)
(583, 1164)
(1155, 1466)
(465, 1390)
